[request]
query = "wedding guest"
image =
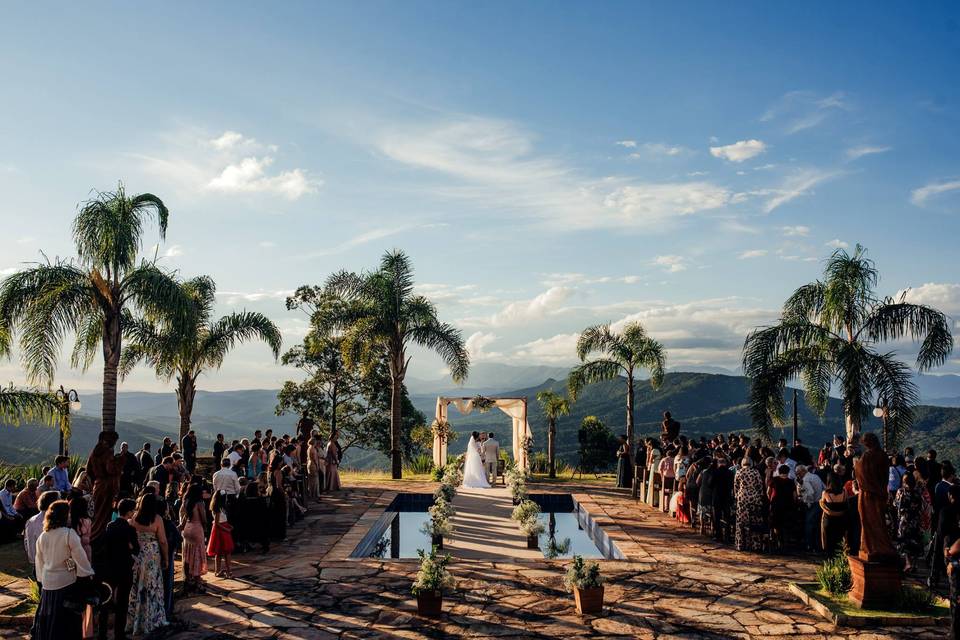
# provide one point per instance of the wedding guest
(26, 502)
(188, 447)
(121, 547)
(220, 546)
(145, 460)
(34, 526)
(60, 561)
(12, 521)
(130, 474)
(219, 448)
(194, 519)
(61, 481)
(174, 539)
(782, 494)
(749, 498)
(313, 469)
(332, 459)
(811, 489)
(833, 525)
(278, 498)
(146, 609)
(624, 478)
(80, 522)
(908, 505)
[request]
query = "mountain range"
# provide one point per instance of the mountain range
(704, 402)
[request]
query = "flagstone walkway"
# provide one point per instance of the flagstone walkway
(483, 529)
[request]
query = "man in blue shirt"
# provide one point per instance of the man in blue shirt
(61, 480)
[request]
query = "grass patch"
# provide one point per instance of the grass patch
(22, 608)
(840, 605)
(13, 562)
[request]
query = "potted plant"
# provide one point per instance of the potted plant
(587, 585)
(437, 527)
(524, 510)
(432, 579)
(532, 528)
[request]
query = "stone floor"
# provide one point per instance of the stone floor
(674, 584)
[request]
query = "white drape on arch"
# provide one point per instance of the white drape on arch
(516, 408)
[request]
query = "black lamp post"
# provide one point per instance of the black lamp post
(882, 411)
(69, 401)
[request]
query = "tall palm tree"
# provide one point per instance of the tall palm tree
(621, 354)
(188, 348)
(829, 333)
(554, 406)
(379, 316)
(93, 296)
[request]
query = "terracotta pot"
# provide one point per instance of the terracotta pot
(533, 542)
(589, 600)
(430, 604)
(437, 541)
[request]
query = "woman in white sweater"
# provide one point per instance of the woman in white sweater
(60, 560)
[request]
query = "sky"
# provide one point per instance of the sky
(546, 165)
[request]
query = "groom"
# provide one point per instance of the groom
(490, 451)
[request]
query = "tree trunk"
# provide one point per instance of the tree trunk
(111, 363)
(630, 415)
(186, 392)
(551, 447)
(396, 395)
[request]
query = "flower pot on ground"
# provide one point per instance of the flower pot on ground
(432, 579)
(533, 542)
(436, 541)
(586, 583)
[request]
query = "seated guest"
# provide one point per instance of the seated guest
(61, 482)
(26, 502)
(12, 521)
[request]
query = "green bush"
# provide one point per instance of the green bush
(437, 474)
(420, 464)
(834, 574)
(915, 599)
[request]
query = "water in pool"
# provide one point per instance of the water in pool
(565, 537)
(402, 537)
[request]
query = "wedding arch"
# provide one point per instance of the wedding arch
(516, 408)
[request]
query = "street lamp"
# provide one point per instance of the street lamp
(69, 401)
(883, 411)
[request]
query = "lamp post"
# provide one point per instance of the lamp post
(69, 401)
(882, 411)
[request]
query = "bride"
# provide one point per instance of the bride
(474, 475)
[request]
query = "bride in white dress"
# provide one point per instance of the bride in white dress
(474, 475)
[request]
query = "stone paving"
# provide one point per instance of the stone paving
(674, 584)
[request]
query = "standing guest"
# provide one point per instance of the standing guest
(26, 502)
(193, 516)
(188, 446)
(146, 612)
(833, 525)
(782, 494)
(908, 504)
(705, 499)
(332, 459)
(145, 458)
(121, 548)
(161, 474)
(236, 453)
(34, 526)
(166, 449)
(895, 474)
(624, 478)
(257, 459)
(220, 546)
(722, 496)
(60, 561)
(783, 458)
(130, 470)
(801, 454)
(278, 498)
(934, 470)
(80, 522)
(749, 497)
(313, 469)
(225, 480)
(669, 428)
(665, 468)
(304, 430)
(61, 480)
(174, 539)
(811, 489)
(104, 469)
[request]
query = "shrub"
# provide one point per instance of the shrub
(437, 474)
(34, 595)
(420, 464)
(539, 463)
(531, 527)
(915, 599)
(582, 575)
(834, 574)
(433, 575)
(526, 510)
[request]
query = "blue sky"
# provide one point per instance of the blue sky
(546, 165)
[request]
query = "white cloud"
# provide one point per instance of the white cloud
(249, 176)
(173, 251)
(865, 150)
(798, 230)
(942, 296)
(660, 149)
(920, 196)
(228, 140)
(796, 185)
(536, 308)
(837, 243)
(233, 297)
(671, 263)
(739, 151)
(267, 244)
(560, 349)
(752, 253)
(801, 110)
(8, 271)
(358, 240)
(576, 279)
(499, 168)
(477, 344)
(629, 144)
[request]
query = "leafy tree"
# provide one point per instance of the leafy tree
(621, 354)
(596, 441)
(553, 406)
(94, 296)
(829, 333)
(187, 348)
(379, 316)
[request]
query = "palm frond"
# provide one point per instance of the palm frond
(236, 328)
(597, 338)
(893, 381)
(158, 294)
(592, 372)
(806, 302)
(24, 405)
(652, 355)
(894, 320)
(447, 341)
(89, 335)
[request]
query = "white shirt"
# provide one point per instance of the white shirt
(234, 458)
(811, 489)
(6, 500)
(226, 480)
(32, 531)
(54, 549)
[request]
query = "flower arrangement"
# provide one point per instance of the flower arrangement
(532, 527)
(437, 526)
(441, 429)
(483, 404)
(526, 510)
(581, 575)
(453, 473)
(441, 509)
(516, 481)
(433, 576)
(445, 491)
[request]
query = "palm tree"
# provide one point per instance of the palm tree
(92, 297)
(25, 405)
(186, 349)
(554, 406)
(623, 352)
(378, 316)
(829, 333)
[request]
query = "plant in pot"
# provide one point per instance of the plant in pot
(524, 510)
(437, 527)
(532, 528)
(587, 585)
(432, 579)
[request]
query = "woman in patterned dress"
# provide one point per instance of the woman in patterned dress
(909, 505)
(146, 610)
(748, 493)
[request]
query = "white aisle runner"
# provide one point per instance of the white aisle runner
(483, 529)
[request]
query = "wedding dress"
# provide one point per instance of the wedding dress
(474, 475)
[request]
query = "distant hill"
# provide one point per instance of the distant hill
(704, 403)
